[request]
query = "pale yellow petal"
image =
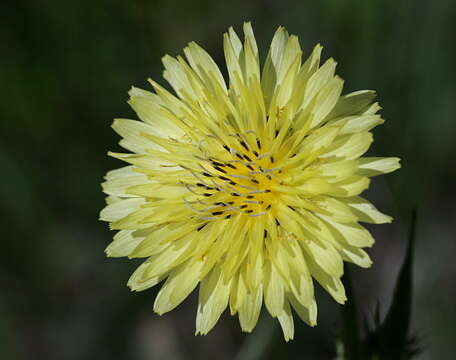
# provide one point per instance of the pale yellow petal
(351, 186)
(377, 166)
(286, 322)
(249, 311)
(325, 100)
(203, 64)
(150, 109)
(335, 209)
(180, 283)
(356, 256)
(139, 282)
(353, 104)
(213, 299)
(325, 256)
(308, 314)
(365, 211)
(332, 285)
(274, 290)
(350, 146)
(124, 243)
(117, 181)
(318, 80)
(120, 209)
(352, 234)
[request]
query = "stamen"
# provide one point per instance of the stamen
(259, 214)
(188, 186)
(186, 202)
(209, 218)
(263, 156)
(259, 191)
(219, 169)
(244, 145)
(245, 187)
(239, 176)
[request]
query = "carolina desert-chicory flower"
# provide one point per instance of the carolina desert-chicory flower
(249, 189)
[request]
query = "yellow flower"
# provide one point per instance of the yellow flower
(250, 190)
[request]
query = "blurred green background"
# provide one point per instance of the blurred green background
(66, 67)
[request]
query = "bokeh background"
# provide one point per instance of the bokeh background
(65, 69)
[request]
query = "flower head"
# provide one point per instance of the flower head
(250, 189)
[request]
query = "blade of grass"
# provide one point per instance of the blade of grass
(395, 329)
(350, 331)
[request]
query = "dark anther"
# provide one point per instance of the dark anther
(268, 207)
(228, 216)
(201, 227)
(265, 234)
(224, 178)
(267, 190)
(217, 163)
(291, 207)
(293, 155)
(226, 148)
(269, 177)
(250, 197)
(243, 206)
(250, 167)
(231, 166)
(207, 194)
(219, 169)
(232, 182)
(239, 156)
(272, 159)
(244, 145)
(201, 185)
(258, 143)
(277, 222)
(209, 188)
(276, 133)
(247, 158)
(255, 153)
(220, 203)
(206, 174)
(230, 202)
(249, 211)
(254, 181)
(217, 213)
(235, 194)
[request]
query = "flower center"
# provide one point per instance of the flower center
(236, 177)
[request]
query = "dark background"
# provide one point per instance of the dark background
(65, 69)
